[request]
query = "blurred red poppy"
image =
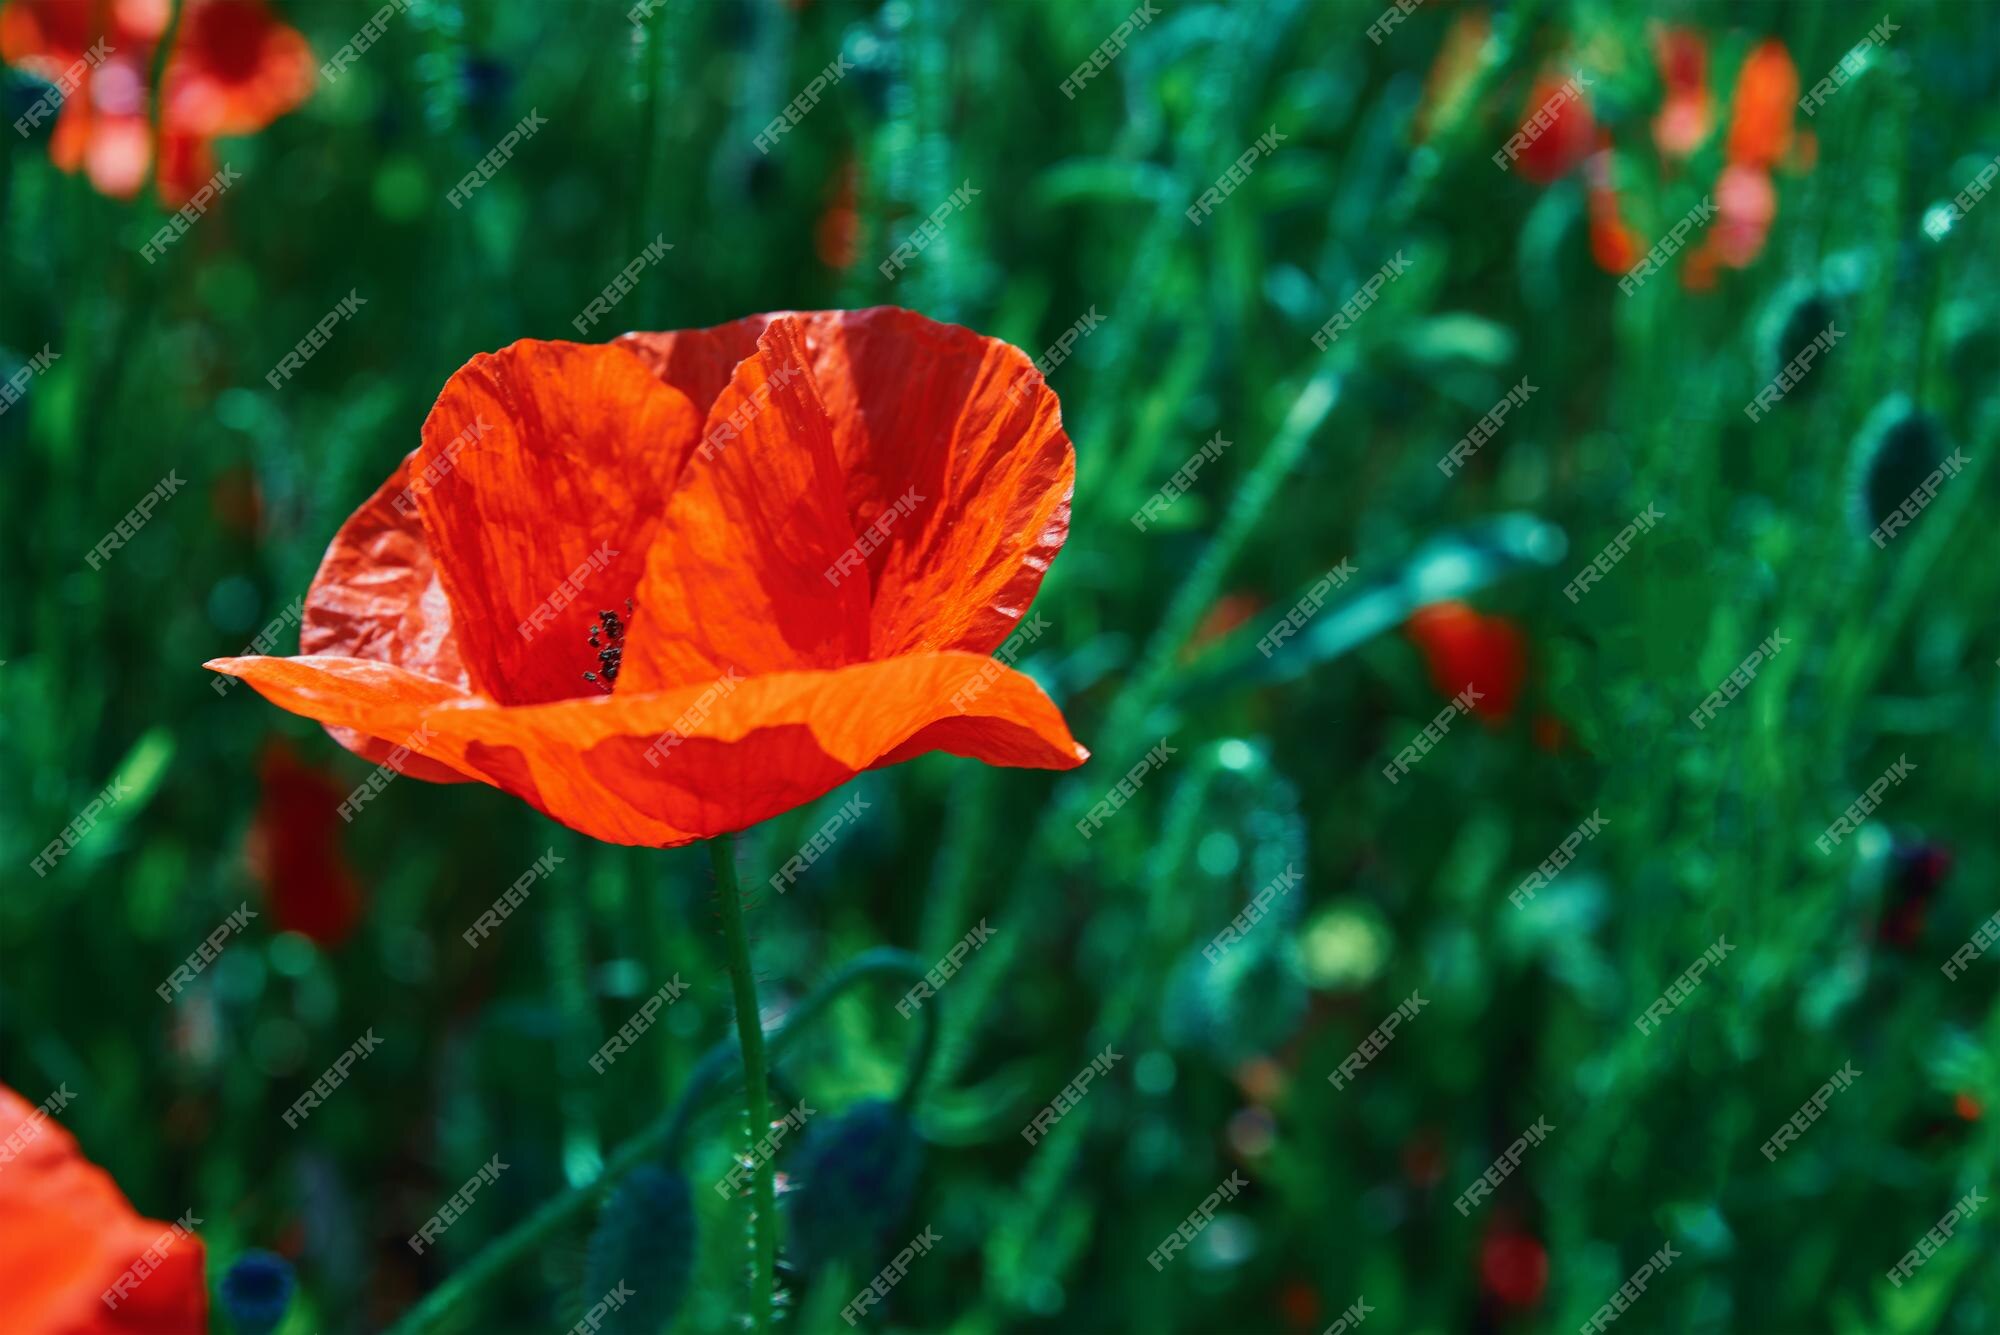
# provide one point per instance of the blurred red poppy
(1461, 647)
(1567, 140)
(295, 851)
(1746, 204)
(234, 68)
(75, 1257)
(1613, 245)
(1513, 1267)
(1760, 137)
(1687, 112)
(839, 225)
(1227, 614)
(1761, 110)
(820, 525)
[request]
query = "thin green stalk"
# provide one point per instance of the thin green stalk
(756, 1088)
(662, 1137)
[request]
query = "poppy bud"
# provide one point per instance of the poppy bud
(485, 84)
(855, 1175)
(1808, 318)
(256, 1292)
(645, 1235)
(1897, 449)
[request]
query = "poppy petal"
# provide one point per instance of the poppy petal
(68, 1236)
(560, 460)
(46, 37)
(745, 573)
(918, 406)
(724, 754)
(728, 754)
(235, 69)
(377, 595)
(967, 422)
(374, 709)
(187, 162)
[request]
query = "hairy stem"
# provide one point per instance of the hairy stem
(663, 1137)
(756, 1089)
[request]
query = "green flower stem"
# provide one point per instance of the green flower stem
(756, 1088)
(714, 1072)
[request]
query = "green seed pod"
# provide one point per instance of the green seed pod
(1804, 320)
(1896, 450)
(854, 1177)
(641, 1254)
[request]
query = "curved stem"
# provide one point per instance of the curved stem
(716, 1070)
(756, 1088)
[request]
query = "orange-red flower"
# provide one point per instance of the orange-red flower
(68, 1236)
(234, 68)
(1462, 648)
(1570, 136)
(825, 523)
(1760, 137)
(1687, 113)
(1613, 245)
(295, 850)
(1760, 116)
(1513, 1266)
(838, 230)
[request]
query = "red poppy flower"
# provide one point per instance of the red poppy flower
(68, 1237)
(1760, 116)
(233, 70)
(1569, 138)
(1746, 204)
(1613, 244)
(825, 523)
(1687, 113)
(295, 850)
(839, 227)
(1226, 615)
(1513, 1267)
(1461, 647)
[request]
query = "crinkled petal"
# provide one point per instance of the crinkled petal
(930, 409)
(755, 569)
(725, 755)
(551, 465)
(377, 595)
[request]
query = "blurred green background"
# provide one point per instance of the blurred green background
(650, 130)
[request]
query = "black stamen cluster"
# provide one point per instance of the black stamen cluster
(610, 648)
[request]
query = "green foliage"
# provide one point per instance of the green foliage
(1405, 888)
